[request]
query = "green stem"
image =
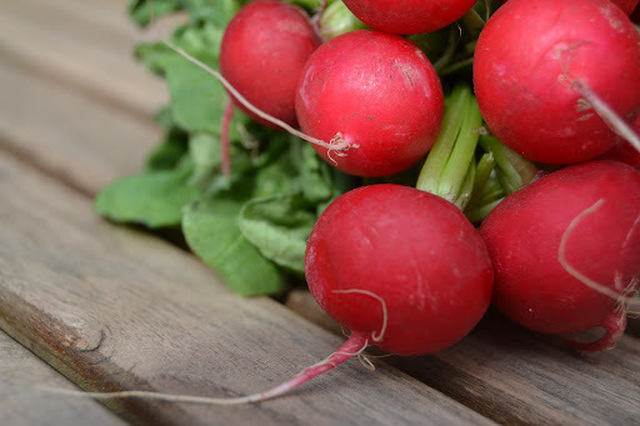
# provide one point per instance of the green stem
(447, 165)
(484, 168)
(487, 191)
(307, 4)
(458, 65)
(466, 190)
(447, 55)
(514, 170)
(336, 19)
(491, 192)
(478, 214)
(440, 151)
(473, 21)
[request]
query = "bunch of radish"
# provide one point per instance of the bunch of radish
(401, 267)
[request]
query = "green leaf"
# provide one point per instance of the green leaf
(212, 232)
(152, 55)
(316, 176)
(143, 11)
(197, 98)
(279, 227)
(154, 199)
(168, 154)
(216, 11)
(278, 174)
(206, 155)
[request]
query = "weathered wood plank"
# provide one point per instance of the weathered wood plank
(81, 46)
(517, 377)
(115, 309)
(22, 404)
(73, 136)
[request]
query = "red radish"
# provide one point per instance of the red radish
(566, 250)
(627, 6)
(372, 90)
(401, 268)
(409, 16)
(263, 51)
(531, 85)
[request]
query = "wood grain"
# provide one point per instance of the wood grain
(115, 309)
(86, 46)
(22, 403)
(73, 137)
(514, 376)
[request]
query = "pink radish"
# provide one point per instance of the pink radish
(566, 250)
(401, 268)
(536, 87)
(375, 91)
(263, 51)
(627, 6)
(409, 16)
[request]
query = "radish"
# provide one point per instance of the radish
(401, 268)
(627, 6)
(537, 89)
(374, 91)
(263, 51)
(409, 16)
(566, 250)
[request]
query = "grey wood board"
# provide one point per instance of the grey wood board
(23, 403)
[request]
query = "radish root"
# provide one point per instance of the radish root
(624, 293)
(611, 118)
(385, 315)
(337, 144)
(562, 253)
(354, 346)
(614, 324)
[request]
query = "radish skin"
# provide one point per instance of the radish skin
(409, 16)
(380, 93)
(531, 84)
(566, 249)
(411, 249)
(262, 53)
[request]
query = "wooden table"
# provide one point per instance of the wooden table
(90, 305)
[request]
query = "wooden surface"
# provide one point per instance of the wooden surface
(113, 308)
(20, 373)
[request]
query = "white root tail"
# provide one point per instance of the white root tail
(622, 296)
(385, 315)
(608, 115)
(352, 347)
(337, 143)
